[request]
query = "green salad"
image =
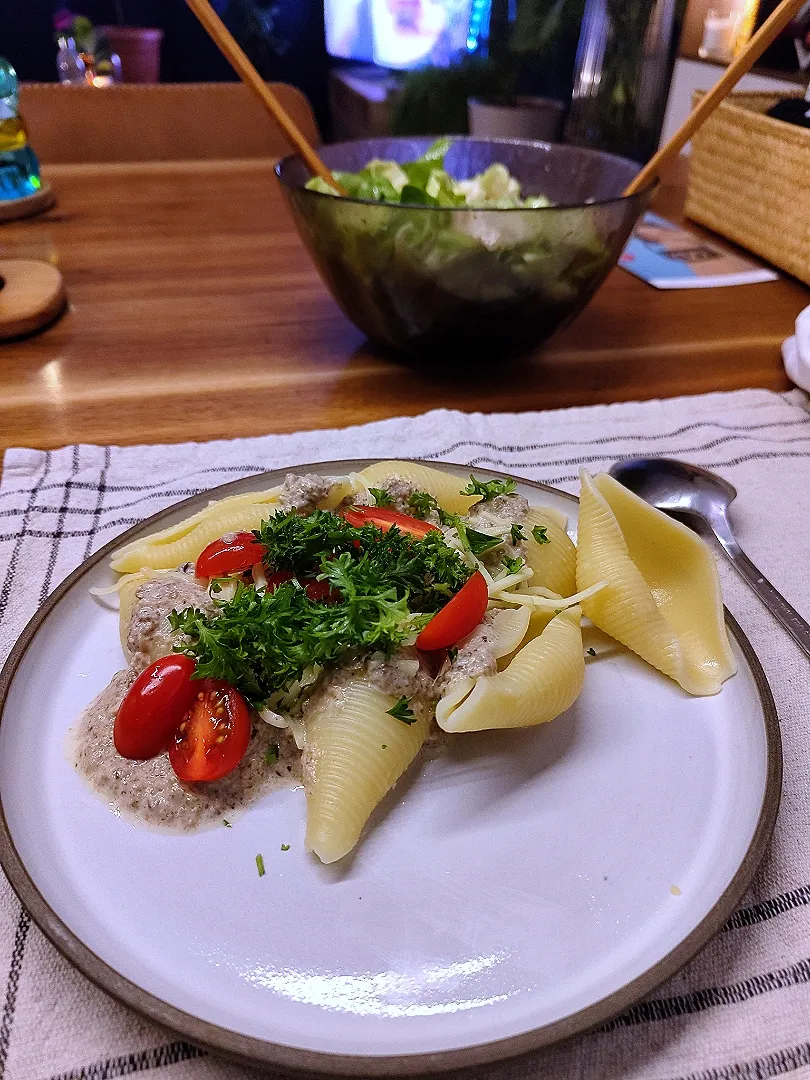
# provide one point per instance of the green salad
(426, 182)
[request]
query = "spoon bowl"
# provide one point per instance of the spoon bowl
(680, 488)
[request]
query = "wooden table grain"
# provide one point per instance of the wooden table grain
(195, 313)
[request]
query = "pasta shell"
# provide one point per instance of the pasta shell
(443, 486)
(544, 679)
(507, 630)
(662, 597)
(354, 753)
(555, 563)
(183, 542)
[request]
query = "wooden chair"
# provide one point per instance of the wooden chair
(164, 122)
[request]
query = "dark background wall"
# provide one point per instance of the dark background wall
(26, 39)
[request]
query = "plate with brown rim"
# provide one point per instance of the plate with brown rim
(513, 890)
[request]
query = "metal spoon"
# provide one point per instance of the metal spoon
(697, 493)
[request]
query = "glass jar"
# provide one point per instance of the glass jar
(624, 64)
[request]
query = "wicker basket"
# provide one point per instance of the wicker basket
(749, 180)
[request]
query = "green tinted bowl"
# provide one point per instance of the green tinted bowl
(459, 284)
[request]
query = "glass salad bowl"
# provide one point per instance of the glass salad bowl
(460, 283)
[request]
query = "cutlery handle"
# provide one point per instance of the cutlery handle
(787, 615)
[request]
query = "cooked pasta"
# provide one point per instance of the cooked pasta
(554, 563)
(348, 635)
(542, 680)
(355, 751)
(443, 486)
(662, 597)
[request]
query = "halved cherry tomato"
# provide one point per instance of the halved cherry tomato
(384, 518)
(458, 617)
(214, 734)
(154, 706)
(229, 556)
(278, 578)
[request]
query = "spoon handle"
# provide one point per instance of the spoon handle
(792, 621)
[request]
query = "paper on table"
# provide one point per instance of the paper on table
(670, 257)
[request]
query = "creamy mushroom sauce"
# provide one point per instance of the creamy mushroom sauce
(148, 792)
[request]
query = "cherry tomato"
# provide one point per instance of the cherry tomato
(154, 706)
(458, 617)
(222, 557)
(278, 578)
(214, 734)
(384, 518)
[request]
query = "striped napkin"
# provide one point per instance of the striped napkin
(741, 1009)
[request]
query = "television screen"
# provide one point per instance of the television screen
(402, 33)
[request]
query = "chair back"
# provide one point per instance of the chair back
(160, 122)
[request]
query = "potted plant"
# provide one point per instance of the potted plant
(519, 89)
(138, 47)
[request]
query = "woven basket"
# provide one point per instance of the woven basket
(749, 180)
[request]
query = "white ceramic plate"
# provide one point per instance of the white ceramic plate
(520, 888)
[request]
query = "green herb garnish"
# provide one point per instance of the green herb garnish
(452, 653)
(517, 534)
(227, 823)
(271, 754)
(285, 847)
(591, 652)
(401, 711)
(513, 566)
(384, 746)
(381, 497)
(540, 533)
(260, 865)
(421, 504)
(488, 489)
(389, 583)
(471, 540)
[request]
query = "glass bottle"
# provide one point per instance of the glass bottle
(624, 64)
(19, 168)
(69, 64)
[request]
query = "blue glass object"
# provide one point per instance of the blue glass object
(19, 168)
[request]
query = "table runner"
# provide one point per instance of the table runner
(741, 1009)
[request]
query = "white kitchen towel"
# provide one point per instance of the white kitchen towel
(741, 1009)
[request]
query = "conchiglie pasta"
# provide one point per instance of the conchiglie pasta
(443, 486)
(555, 563)
(354, 753)
(662, 597)
(543, 679)
(183, 542)
(507, 630)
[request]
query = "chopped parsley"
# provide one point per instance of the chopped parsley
(389, 584)
(517, 534)
(420, 503)
(513, 566)
(271, 754)
(285, 847)
(227, 823)
(381, 497)
(591, 652)
(402, 711)
(488, 489)
(452, 653)
(260, 865)
(384, 746)
(540, 533)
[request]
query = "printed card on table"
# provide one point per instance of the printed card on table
(669, 257)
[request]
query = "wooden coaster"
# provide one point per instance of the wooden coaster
(28, 205)
(32, 294)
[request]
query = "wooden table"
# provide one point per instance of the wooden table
(196, 314)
